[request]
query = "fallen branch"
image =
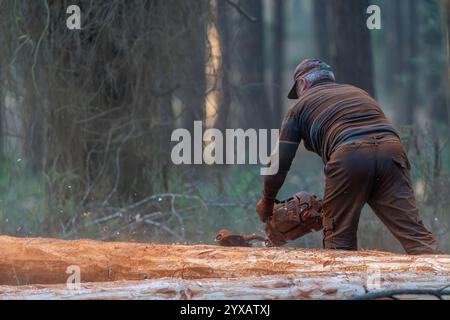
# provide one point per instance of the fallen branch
(393, 294)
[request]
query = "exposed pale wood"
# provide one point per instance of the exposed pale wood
(319, 286)
(200, 271)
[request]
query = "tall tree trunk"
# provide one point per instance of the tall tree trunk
(252, 91)
(394, 58)
(224, 30)
(400, 50)
(446, 19)
(322, 29)
(33, 110)
(412, 96)
(278, 61)
(351, 54)
(436, 78)
(2, 107)
(193, 87)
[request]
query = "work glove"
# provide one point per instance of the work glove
(264, 208)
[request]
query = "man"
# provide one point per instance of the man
(365, 161)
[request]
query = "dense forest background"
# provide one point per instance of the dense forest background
(86, 115)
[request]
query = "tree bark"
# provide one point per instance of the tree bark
(412, 96)
(27, 261)
(193, 87)
(401, 50)
(315, 286)
(321, 29)
(446, 19)
(436, 78)
(2, 107)
(251, 66)
(224, 28)
(278, 62)
(351, 54)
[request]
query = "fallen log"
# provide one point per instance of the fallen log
(223, 272)
(250, 288)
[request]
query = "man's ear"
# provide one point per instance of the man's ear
(302, 85)
(305, 84)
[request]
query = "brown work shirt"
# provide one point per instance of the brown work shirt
(325, 116)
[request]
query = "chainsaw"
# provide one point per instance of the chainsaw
(291, 219)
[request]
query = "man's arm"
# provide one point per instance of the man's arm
(273, 183)
(289, 141)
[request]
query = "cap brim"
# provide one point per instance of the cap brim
(293, 93)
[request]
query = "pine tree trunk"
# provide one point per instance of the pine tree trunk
(2, 107)
(322, 29)
(412, 96)
(278, 62)
(224, 20)
(251, 67)
(446, 19)
(351, 54)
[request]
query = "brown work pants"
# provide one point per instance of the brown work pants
(376, 171)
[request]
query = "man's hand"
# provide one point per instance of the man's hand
(264, 208)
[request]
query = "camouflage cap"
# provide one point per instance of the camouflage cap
(311, 70)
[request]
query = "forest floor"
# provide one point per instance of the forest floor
(37, 268)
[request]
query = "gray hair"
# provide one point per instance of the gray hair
(319, 75)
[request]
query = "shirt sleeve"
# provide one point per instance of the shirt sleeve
(289, 141)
